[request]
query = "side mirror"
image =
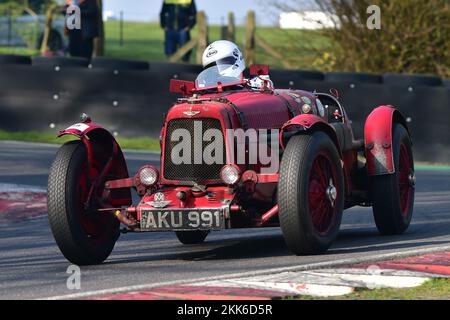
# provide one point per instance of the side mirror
(182, 86)
(259, 70)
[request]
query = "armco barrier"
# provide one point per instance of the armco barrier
(132, 102)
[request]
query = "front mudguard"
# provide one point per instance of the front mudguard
(378, 133)
(93, 135)
(307, 123)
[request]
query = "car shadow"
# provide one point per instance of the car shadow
(351, 241)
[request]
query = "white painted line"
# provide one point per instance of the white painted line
(326, 282)
(10, 187)
(25, 143)
(56, 146)
(311, 266)
(289, 288)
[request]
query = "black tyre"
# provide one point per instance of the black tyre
(14, 59)
(118, 64)
(350, 77)
(175, 68)
(191, 237)
(446, 82)
(83, 235)
(411, 80)
(393, 195)
(62, 62)
(310, 193)
(294, 79)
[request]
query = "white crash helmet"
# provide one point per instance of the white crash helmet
(226, 56)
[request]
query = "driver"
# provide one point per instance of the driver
(230, 62)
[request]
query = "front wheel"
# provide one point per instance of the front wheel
(83, 235)
(310, 193)
(393, 195)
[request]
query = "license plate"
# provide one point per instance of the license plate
(182, 219)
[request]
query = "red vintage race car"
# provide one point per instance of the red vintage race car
(235, 157)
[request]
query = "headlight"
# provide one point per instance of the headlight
(230, 174)
(148, 176)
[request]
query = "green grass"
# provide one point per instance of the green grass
(435, 289)
(141, 143)
(145, 41)
(19, 51)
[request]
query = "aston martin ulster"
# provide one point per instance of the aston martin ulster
(236, 153)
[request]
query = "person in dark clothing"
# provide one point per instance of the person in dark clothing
(177, 18)
(81, 42)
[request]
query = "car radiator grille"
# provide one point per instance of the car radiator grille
(191, 172)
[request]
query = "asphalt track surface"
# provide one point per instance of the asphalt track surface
(31, 265)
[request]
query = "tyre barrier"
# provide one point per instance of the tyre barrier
(133, 102)
(118, 64)
(446, 82)
(353, 78)
(60, 62)
(294, 79)
(11, 59)
(174, 68)
(411, 80)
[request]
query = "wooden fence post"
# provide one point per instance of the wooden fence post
(231, 29)
(47, 29)
(250, 39)
(260, 42)
(202, 35)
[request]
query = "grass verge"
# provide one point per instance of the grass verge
(141, 143)
(145, 41)
(435, 289)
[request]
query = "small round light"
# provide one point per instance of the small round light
(306, 108)
(230, 174)
(148, 176)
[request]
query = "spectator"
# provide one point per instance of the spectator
(177, 18)
(81, 42)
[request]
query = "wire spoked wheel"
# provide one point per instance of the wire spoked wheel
(310, 193)
(83, 234)
(406, 180)
(393, 194)
(322, 194)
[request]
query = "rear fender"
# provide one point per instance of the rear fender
(378, 139)
(306, 123)
(92, 135)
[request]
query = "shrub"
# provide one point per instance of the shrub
(414, 37)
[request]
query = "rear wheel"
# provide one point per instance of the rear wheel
(191, 237)
(393, 195)
(310, 193)
(83, 235)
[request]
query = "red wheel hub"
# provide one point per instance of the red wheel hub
(93, 223)
(323, 193)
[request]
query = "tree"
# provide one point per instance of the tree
(414, 36)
